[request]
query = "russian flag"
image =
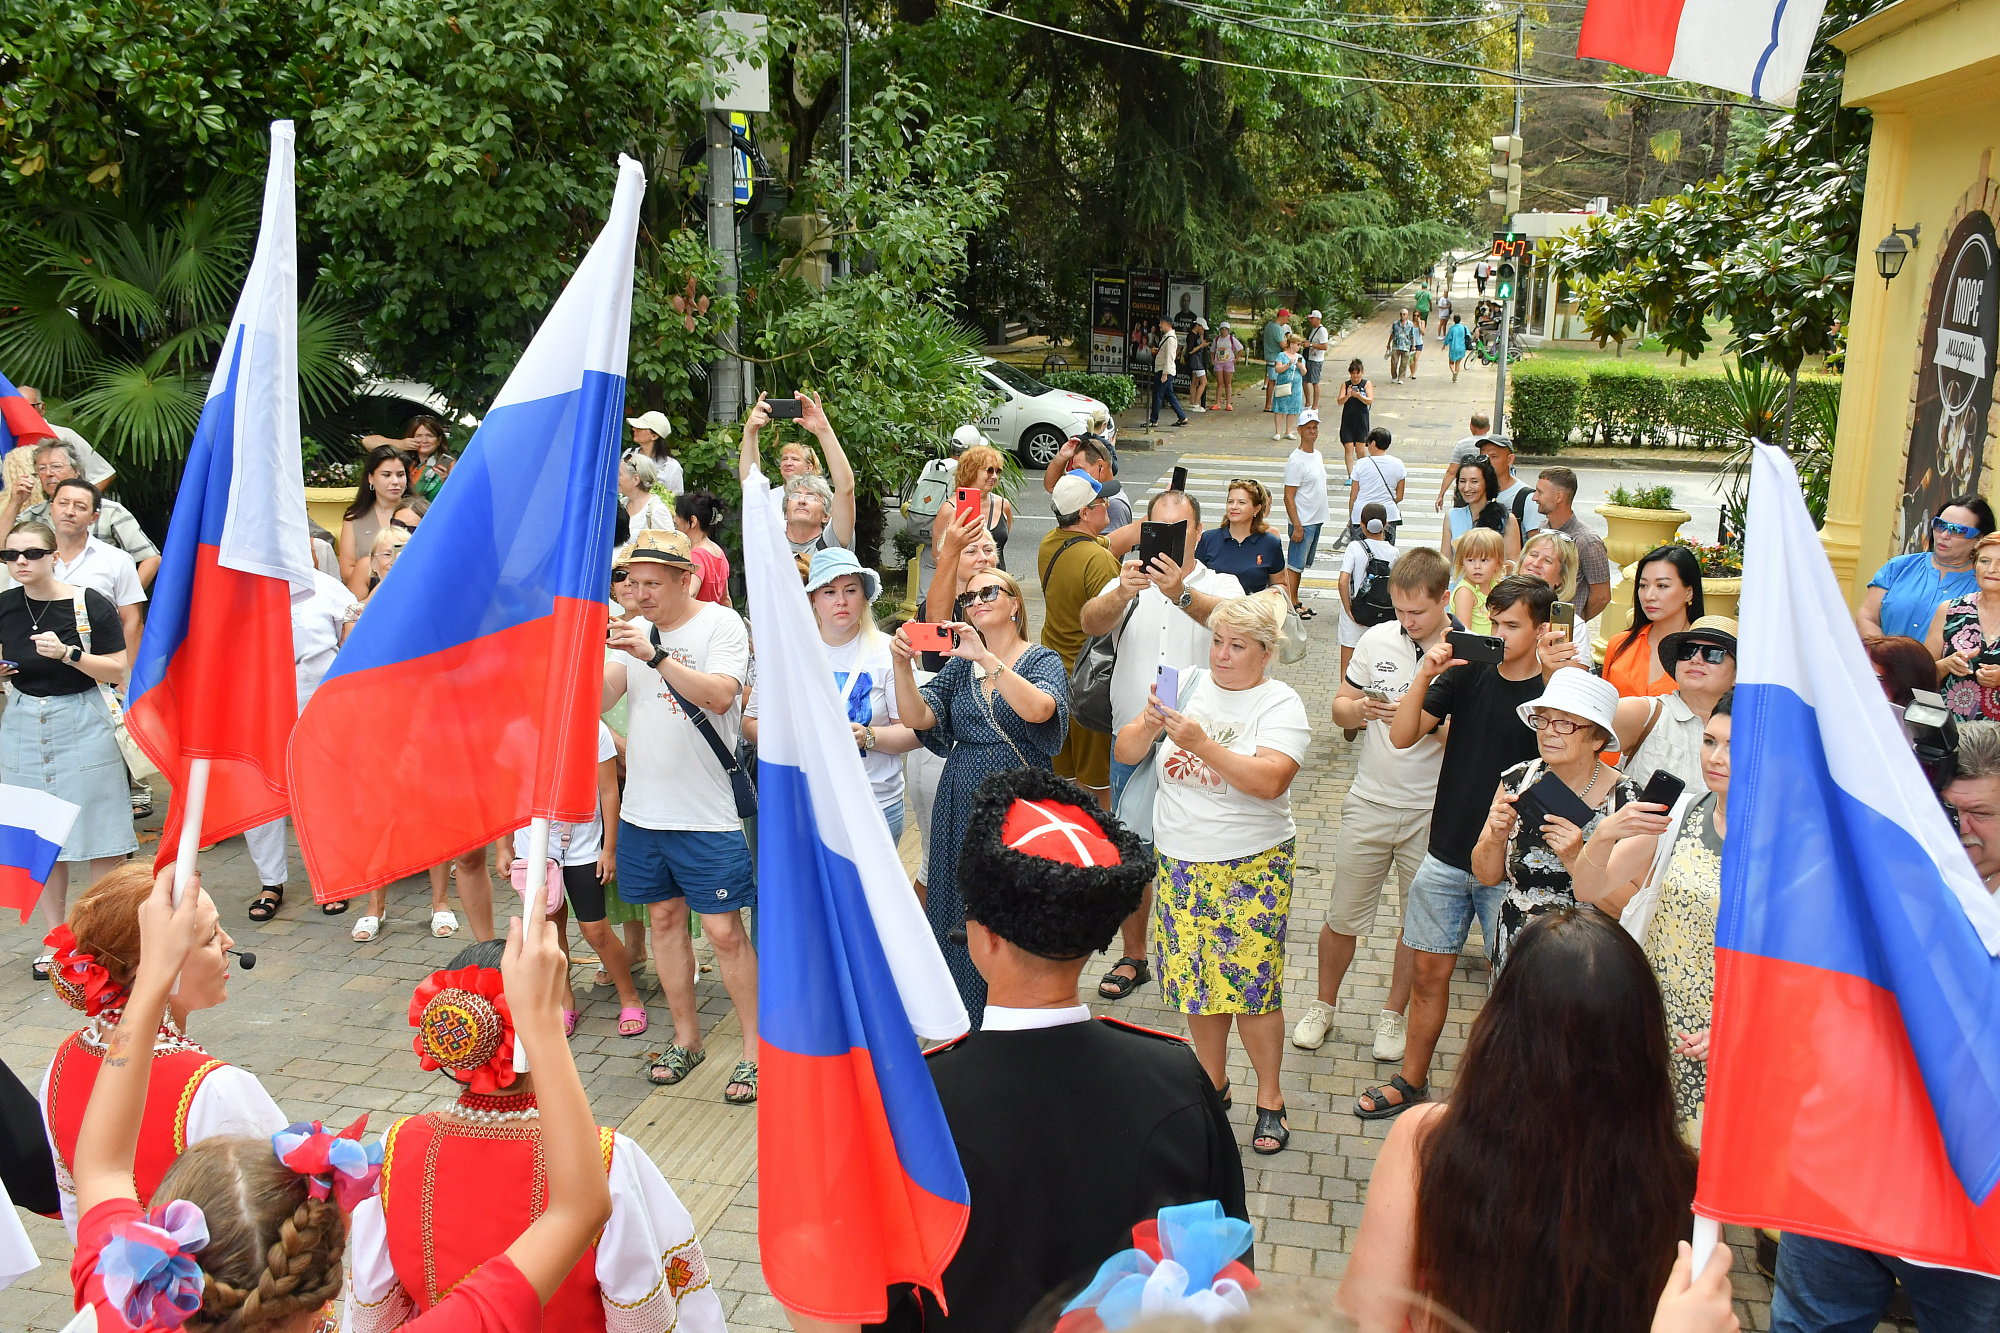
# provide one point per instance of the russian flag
(859, 1180)
(214, 678)
(33, 828)
(490, 632)
(19, 422)
(1854, 1075)
(1758, 48)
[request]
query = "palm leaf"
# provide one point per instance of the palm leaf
(141, 414)
(42, 342)
(329, 340)
(209, 252)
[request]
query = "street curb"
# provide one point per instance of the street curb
(1660, 460)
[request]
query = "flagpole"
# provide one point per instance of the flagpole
(1707, 1235)
(533, 899)
(192, 802)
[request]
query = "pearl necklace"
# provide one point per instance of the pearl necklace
(489, 1110)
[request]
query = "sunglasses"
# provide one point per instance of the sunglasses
(992, 592)
(1712, 653)
(398, 523)
(1558, 726)
(618, 575)
(9, 556)
(1965, 530)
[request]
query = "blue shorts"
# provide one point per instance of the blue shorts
(1439, 906)
(1314, 369)
(1305, 548)
(713, 871)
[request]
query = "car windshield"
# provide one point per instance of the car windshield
(1017, 380)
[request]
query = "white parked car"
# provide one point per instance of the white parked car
(1030, 418)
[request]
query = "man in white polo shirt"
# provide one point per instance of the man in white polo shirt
(91, 561)
(1386, 818)
(1156, 618)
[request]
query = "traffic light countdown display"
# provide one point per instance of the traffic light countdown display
(1510, 253)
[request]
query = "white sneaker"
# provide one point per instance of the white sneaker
(1392, 1035)
(1197, 408)
(1310, 1034)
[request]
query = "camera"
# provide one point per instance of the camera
(1933, 736)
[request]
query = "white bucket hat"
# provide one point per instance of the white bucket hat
(1574, 690)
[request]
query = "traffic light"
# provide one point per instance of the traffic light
(1503, 285)
(1506, 191)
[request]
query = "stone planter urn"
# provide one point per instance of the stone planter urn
(1630, 533)
(325, 505)
(1719, 596)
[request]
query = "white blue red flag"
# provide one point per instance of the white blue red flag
(20, 423)
(1854, 1078)
(859, 1181)
(1754, 47)
(214, 679)
(33, 828)
(489, 632)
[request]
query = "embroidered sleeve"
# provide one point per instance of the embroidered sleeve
(376, 1301)
(650, 1267)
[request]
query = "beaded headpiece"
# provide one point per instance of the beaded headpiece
(464, 1027)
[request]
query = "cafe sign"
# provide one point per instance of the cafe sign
(1954, 401)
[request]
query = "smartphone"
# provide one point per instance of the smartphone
(1663, 789)
(1477, 647)
(930, 637)
(1167, 684)
(1180, 480)
(1380, 696)
(1168, 539)
(969, 504)
(1562, 616)
(783, 409)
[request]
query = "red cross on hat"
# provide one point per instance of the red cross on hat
(1057, 831)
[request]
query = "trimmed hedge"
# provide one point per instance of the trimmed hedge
(1114, 391)
(1633, 405)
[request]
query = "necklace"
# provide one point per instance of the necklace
(484, 1109)
(34, 620)
(1596, 772)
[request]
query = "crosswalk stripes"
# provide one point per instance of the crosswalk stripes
(1209, 475)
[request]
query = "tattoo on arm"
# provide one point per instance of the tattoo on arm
(121, 1042)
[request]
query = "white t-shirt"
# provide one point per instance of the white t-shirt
(102, 566)
(1355, 565)
(1316, 343)
(1199, 817)
(1386, 659)
(1307, 471)
(862, 671)
(576, 844)
(1376, 478)
(1160, 634)
(1531, 514)
(672, 778)
(1465, 451)
(316, 626)
(671, 475)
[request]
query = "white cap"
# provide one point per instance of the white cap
(1313, 315)
(655, 422)
(1574, 690)
(1074, 491)
(1311, 414)
(966, 437)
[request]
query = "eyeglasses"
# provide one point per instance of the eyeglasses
(1712, 653)
(25, 553)
(1965, 530)
(1557, 726)
(618, 575)
(992, 592)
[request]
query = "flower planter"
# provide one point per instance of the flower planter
(325, 505)
(1630, 533)
(1719, 596)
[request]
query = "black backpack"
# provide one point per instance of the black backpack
(1372, 605)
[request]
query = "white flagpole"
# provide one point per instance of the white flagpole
(192, 803)
(533, 900)
(1707, 1235)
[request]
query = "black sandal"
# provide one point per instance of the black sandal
(1384, 1108)
(1305, 612)
(333, 909)
(1270, 1125)
(267, 902)
(1115, 987)
(1228, 1098)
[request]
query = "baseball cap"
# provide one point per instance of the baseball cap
(1314, 315)
(966, 437)
(655, 422)
(1074, 491)
(1311, 414)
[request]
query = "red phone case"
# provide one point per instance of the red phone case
(968, 504)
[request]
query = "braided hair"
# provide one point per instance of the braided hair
(273, 1250)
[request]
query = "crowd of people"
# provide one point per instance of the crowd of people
(1574, 810)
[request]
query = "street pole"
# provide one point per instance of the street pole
(846, 117)
(726, 376)
(1500, 380)
(1520, 28)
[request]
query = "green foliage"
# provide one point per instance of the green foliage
(1719, 561)
(1627, 401)
(1545, 402)
(1646, 497)
(1114, 391)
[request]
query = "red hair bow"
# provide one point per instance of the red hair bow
(464, 1026)
(83, 983)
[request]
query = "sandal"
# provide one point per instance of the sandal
(266, 904)
(744, 1076)
(1381, 1108)
(569, 1022)
(1228, 1098)
(41, 966)
(367, 928)
(333, 909)
(1116, 987)
(1305, 612)
(634, 1014)
(678, 1061)
(1270, 1125)
(444, 924)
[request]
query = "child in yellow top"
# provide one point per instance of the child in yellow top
(1479, 562)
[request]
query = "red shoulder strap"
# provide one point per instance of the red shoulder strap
(1141, 1028)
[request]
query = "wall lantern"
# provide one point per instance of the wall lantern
(1893, 250)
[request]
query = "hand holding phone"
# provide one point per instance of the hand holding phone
(931, 637)
(968, 504)
(783, 409)
(1167, 685)
(1158, 539)
(1562, 616)
(1663, 789)
(1470, 647)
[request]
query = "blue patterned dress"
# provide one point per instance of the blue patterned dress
(979, 734)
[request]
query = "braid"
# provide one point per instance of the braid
(301, 1272)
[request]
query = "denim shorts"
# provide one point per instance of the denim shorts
(1300, 556)
(1120, 775)
(1442, 900)
(712, 870)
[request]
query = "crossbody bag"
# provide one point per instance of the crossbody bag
(739, 780)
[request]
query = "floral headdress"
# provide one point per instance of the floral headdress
(339, 1165)
(83, 983)
(148, 1267)
(464, 1026)
(1183, 1263)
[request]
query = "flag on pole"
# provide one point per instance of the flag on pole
(490, 629)
(20, 423)
(860, 1181)
(1854, 1075)
(1757, 48)
(214, 679)
(33, 827)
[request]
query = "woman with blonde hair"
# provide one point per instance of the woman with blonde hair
(795, 460)
(1227, 747)
(981, 469)
(1478, 561)
(1551, 557)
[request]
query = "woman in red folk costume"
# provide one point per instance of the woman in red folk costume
(192, 1095)
(459, 1184)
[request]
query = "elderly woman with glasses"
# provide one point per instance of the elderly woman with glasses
(60, 646)
(1906, 592)
(1965, 638)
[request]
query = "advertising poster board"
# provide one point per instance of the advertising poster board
(1187, 298)
(1146, 298)
(1108, 324)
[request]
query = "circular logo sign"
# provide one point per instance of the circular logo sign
(1954, 378)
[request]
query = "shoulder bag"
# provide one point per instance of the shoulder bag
(1090, 682)
(739, 779)
(137, 761)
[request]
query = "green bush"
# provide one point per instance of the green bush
(1114, 391)
(1627, 402)
(1545, 405)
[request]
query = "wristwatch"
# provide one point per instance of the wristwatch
(867, 737)
(1186, 599)
(659, 656)
(72, 654)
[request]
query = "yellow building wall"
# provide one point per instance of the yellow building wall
(1929, 72)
